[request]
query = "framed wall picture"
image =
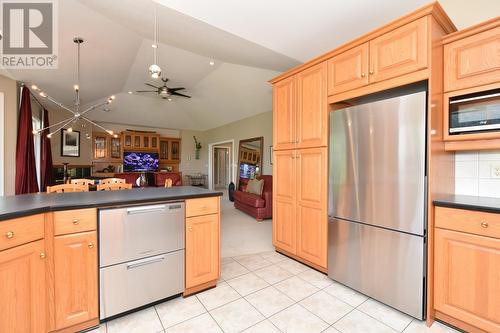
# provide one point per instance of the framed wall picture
(70, 143)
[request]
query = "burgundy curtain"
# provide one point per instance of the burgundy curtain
(26, 181)
(45, 156)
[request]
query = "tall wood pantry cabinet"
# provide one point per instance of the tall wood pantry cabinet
(300, 166)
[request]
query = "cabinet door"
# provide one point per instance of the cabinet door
(75, 278)
(399, 52)
(202, 249)
(22, 289)
(100, 146)
(163, 149)
(284, 114)
(284, 229)
(115, 150)
(467, 278)
(311, 213)
(175, 150)
(348, 70)
(472, 61)
(312, 115)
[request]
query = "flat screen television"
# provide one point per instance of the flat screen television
(246, 170)
(134, 161)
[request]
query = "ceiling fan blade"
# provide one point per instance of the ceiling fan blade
(141, 91)
(179, 94)
(149, 84)
(175, 89)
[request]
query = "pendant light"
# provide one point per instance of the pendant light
(154, 69)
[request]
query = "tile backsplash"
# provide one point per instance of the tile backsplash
(478, 173)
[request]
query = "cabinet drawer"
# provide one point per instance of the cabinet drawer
(21, 231)
(202, 206)
(71, 221)
(470, 221)
(472, 61)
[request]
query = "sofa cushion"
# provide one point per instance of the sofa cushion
(249, 199)
(255, 186)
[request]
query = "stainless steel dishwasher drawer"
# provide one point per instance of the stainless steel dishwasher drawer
(141, 231)
(136, 283)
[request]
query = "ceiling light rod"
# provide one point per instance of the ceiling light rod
(154, 69)
(101, 127)
(59, 128)
(76, 87)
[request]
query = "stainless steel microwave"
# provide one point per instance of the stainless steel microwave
(478, 112)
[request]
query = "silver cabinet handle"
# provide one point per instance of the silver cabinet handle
(145, 209)
(143, 262)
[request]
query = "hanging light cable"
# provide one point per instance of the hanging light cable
(154, 69)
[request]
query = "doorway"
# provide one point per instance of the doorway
(220, 164)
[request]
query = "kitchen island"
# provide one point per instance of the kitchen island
(50, 243)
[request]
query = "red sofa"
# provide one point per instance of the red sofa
(260, 207)
(160, 178)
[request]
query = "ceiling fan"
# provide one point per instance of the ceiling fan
(164, 91)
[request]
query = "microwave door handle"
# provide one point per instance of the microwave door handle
(143, 262)
(474, 98)
(145, 209)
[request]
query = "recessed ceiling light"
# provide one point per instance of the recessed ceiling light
(211, 63)
(130, 92)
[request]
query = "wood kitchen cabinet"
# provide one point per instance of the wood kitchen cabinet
(472, 57)
(284, 104)
(299, 207)
(22, 288)
(284, 223)
(202, 243)
(106, 148)
(467, 269)
(398, 52)
(300, 110)
(348, 70)
(75, 278)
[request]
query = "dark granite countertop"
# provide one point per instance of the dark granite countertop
(29, 204)
(485, 204)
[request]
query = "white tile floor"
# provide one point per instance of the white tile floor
(267, 293)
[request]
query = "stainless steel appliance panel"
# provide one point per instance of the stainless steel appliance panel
(383, 264)
(136, 283)
(140, 231)
(377, 163)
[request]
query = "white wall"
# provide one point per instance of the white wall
(475, 173)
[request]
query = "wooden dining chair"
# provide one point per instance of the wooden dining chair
(168, 182)
(114, 187)
(83, 181)
(113, 181)
(66, 188)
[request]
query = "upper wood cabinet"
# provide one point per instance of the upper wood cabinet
(284, 217)
(467, 278)
(170, 150)
(75, 278)
(312, 116)
(300, 110)
(348, 70)
(22, 289)
(399, 52)
(284, 105)
(202, 250)
(312, 205)
(106, 148)
(473, 60)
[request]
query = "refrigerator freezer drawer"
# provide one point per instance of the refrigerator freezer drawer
(136, 283)
(383, 264)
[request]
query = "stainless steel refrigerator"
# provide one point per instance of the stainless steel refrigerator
(377, 200)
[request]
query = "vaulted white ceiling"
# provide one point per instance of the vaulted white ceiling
(249, 41)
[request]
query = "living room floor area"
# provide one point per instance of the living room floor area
(240, 233)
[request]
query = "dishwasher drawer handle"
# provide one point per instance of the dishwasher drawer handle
(145, 209)
(143, 262)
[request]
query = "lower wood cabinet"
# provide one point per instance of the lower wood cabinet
(75, 278)
(202, 250)
(300, 204)
(22, 289)
(467, 279)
